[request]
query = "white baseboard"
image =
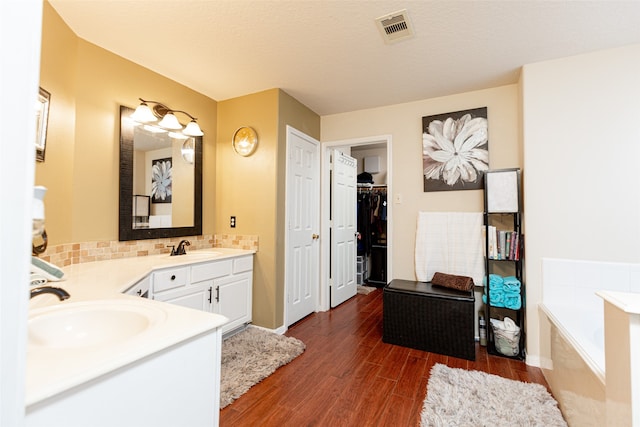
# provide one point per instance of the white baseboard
(539, 362)
(280, 331)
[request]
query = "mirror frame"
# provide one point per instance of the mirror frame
(126, 230)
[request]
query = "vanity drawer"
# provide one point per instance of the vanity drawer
(210, 270)
(242, 264)
(170, 279)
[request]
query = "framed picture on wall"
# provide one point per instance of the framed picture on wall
(455, 150)
(42, 120)
(161, 180)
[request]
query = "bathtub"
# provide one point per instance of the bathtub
(572, 332)
(583, 330)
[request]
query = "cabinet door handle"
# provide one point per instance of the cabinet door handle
(173, 277)
(217, 293)
(139, 292)
(209, 294)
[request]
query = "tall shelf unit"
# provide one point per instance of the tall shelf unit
(504, 257)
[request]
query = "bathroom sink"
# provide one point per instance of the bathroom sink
(91, 323)
(202, 253)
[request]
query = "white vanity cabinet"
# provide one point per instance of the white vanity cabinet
(220, 286)
(141, 289)
(176, 387)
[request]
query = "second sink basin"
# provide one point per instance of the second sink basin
(202, 253)
(91, 323)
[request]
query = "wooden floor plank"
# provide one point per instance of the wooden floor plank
(399, 412)
(348, 377)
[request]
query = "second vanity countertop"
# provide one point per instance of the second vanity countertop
(52, 370)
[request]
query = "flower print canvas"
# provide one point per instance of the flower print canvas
(455, 150)
(161, 180)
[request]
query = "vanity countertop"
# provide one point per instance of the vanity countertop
(52, 370)
(629, 302)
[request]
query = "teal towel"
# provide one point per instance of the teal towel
(510, 280)
(494, 302)
(511, 284)
(514, 302)
(495, 281)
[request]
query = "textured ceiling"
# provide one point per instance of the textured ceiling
(329, 54)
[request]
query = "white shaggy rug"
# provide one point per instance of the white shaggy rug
(457, 397)
(251, 356)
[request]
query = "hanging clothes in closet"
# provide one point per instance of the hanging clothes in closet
(372, 217)
(372, 228)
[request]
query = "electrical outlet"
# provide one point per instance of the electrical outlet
(232, 222)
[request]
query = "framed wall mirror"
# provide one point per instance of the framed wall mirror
(160, 182)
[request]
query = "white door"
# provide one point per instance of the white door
(302, 262)
(343, 228)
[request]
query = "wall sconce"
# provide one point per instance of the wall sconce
(188, 151)
(245, 141)
(145, 114)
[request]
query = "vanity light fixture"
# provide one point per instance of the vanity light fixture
(178, 135)
(170, 121)
(245, 141)
(188, 150)
(154, 129)
(145, 114)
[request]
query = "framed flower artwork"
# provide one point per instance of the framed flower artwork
(455, 150)
(161, 180)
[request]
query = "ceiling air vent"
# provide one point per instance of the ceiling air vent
(395, 26)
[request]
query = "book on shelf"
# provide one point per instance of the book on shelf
(502, 244)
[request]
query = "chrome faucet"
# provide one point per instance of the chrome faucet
(59, 292)
(180, 250)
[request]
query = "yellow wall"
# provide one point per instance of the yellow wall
(252, 188)
(246, 189)
(81, 168)
(58, 76)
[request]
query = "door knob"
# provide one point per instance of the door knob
(315, 236)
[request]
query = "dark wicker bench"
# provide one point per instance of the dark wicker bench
(429, 318)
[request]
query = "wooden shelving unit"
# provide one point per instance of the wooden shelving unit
(503, 210)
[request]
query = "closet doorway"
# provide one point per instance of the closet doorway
(378, 257)
(371, 264)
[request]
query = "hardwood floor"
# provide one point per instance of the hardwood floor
(348, 377)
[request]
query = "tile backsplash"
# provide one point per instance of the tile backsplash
(76, 253)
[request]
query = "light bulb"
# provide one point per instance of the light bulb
(193, 129)
(169, 121)
(143, 114)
